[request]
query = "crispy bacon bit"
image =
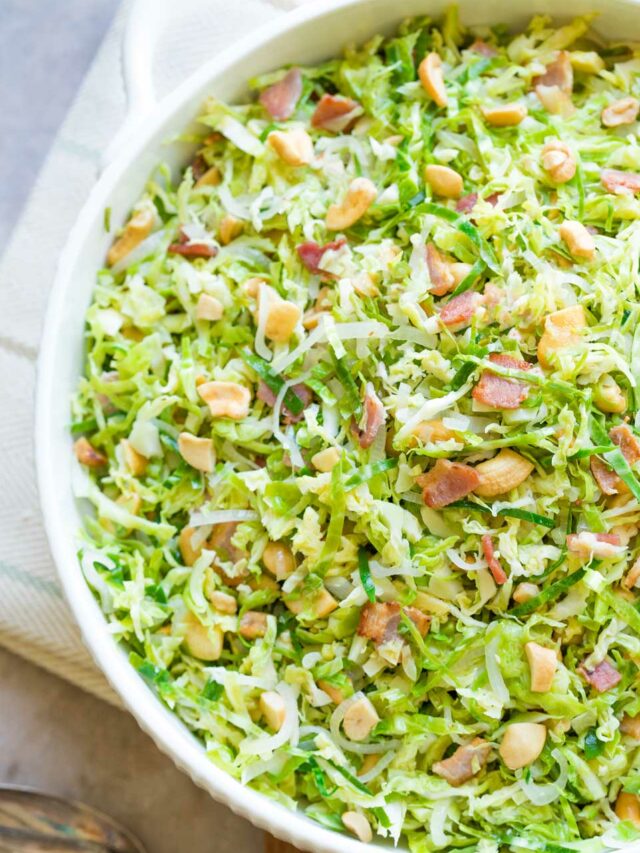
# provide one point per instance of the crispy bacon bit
(467, 203)
(459, 310)
(374, 417)
(447, 482)
(498, 391)
(335, 113)
(606, 478)
(599, 545)
(379, 621)
(465, 763)
(558, 73)
(627, 442)
(311, 254)
(198, 167)
(499, 574)
(602, 677)
(421, 620)
(192, 250)
(442, 279)
(484, 49)
(87, 455)
(301, 391)
(620, 183)
(280, 99)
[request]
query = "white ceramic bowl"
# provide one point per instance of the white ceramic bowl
(312, 33)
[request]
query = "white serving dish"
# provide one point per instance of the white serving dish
(312, 33)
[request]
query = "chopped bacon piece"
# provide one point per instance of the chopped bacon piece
(459, 310)
(374, 417)
(335, 113)
(620, 183)
(442, 278)
(484, 49)
(465, 763)
(467, 203)
(192, 250)
(311, 254)
(498, 573)
(379, 621)
(558, 73)
(280, 99)
(421, 620)
(198, 167)
(599, 545)
(301, 391)
(498, 391)
(602, 677)
(606, 478)
(447, 482)
(627, 442)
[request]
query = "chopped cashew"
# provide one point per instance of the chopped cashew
(542, 663)
(522, 743)
(135, 462)
(358, 825)
(631, 726)
(632, 576)
(279, 560)
(252, 286)
(87, 455)
(293, 146)
(322, 604)
(360, 196)
(628, 808)
(525, 592)
(334, 693)
(502, 473)
(135, 231)
(360, 719)
(587, 61)
(505, 115)
(368, 763)
(444, 181)
(253, 624)
(579, 241)
(185, 543)
(200, 641)
(432, 78)
(624, 111)
(273, 709)
(223, 602)
(211, 178)
(559, 161)
(282, 316)
(197, 452)
(561, 329)
(609, 396)
(226, 399)
(229, 229)
(325, 460)
(209, 308)
(429, 432)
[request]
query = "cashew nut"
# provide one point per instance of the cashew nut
(444, 181)
(632, 576)
(135, 231)
(211, 178)
(197, 452)
(542, 663)
(273, 709)
(429, 432)
(561, 329)
(323, 603)
(505, 115)
(608, 395)
(631, 726)
(587, 61)
(185, 543)
(282, 316)
(87, 455)
(209, 308)
(360, 719)
(326, 460)
(293, 146)
(624, 111)
(229, 229)
(253, 624)
(334, 693)
(525, 592)
(559, 161)
(135, 461)
(223, 602)
(432, 78)
(579, 241)
(360, 196)
(628, 808)
(522, 743)
(502, 473)
(358, 825)
(279, 560)
(201, 641)
(226, 399)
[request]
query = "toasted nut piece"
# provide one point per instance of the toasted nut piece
(211, 178)
(555, 100)
(252, 286)
(628, 808)
(368, 763)
(323, 603)
(444, 181)
(293, 146)
(599, 545)
(360, 719)
(608, 395)
(559, 161)
(459, 271)
(632, 576)
(624, 111)
(282, 316)
(432, 431)
(135, 462)
(253, 624)
(631, 726)
(326, 460)
(209, 308)
(229, 229)
(200, 641)
(198, 452)
(502, 473)
(522, 743)
(223, 602)
(542, 663)
(359, 198)
(273, 709)
(579, 241)
(587, 61)
(561, 329)
(264, 582)
(188, 552)
(432, 78)
(358, 825)
(505, 115)
(279, 560)
(87, 455)
(525, 592)
(226, 399)
(334, 693)
(135, 231)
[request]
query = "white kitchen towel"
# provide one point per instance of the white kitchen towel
(34, 619)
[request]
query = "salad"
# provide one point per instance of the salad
(360, 427)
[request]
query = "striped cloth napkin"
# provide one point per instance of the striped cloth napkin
(34, 619)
